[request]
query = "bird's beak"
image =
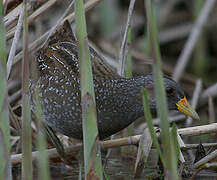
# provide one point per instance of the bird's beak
(186, 108)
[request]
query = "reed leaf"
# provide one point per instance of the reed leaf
(129, 131)
(106, 176)
(128, 69)
(162, 107)
(175, 142)
(108, 17)
(201, 59)
(5, 167)
(26, 117)
(81, 162)
(92, 155)
(129, 74)
(148, 118)
(43, 169)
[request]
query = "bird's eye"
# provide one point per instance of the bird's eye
(170, 90)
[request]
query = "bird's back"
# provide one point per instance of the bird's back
(58, 82)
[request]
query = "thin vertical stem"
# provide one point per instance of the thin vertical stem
(124, 48)
(5, 166)
(193, 37)
(15, 41)
(160, 94)
(26, 118)
(43, 169)
(92, 155)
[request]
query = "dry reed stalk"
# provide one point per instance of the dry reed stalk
(124, 46)
(190, 44)
(132, 140)
(71, 17)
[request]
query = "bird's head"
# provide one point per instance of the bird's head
(176, 98)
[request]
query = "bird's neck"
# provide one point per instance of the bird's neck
(125, 93)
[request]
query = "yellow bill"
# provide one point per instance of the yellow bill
(186, 108)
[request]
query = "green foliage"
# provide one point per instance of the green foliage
(160, 94)
(128, 71)
(148, 118)
(107, 17)
(26, 116)
(175, 142)
(5, 167)
(201, 60)
(43, 169)
(92, 155)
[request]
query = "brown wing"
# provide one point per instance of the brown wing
(100, 67)
(63, 45)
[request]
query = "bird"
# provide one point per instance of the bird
(118, 99)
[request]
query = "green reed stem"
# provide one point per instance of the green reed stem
(43, 168)
(92, 155)
(107, 13)
(162, 107)
(5, 166)
(201, 59)
(129, 131)
(148, 118)
(128, 69)
(175, 142)
(26, 117)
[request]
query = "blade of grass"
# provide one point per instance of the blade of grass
(147, 44)
(162, 107)
(201, 59)
(128, 71)
(128, 74)
(106, 176)
(124, 48)
(148, 118)
(108, 16)
(81, 162)
(43, 171)
(26, 117)
(92, 155)
(175, 142)
(5, 167)
(129, 131)
(125, 62)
